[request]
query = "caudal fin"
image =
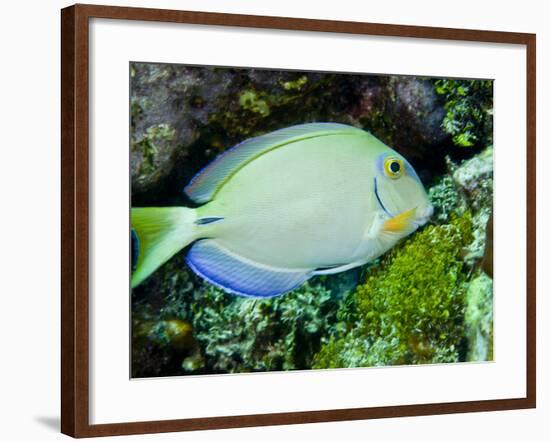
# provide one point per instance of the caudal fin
(158, 234)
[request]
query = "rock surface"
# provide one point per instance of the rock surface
(184, 116)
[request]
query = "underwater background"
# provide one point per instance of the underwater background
(427, 300)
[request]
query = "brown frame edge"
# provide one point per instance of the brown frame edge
(74, 220)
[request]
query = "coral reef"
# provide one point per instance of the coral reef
(425, 301)
(283, 333)
(410, 308)
(212, 331)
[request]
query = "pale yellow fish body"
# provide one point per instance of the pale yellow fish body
(302, 206)
(311, 199)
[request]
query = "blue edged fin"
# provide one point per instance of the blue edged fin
(236, 275)
(135, 249)
(204, 185)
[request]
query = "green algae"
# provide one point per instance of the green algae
(469, 110)
(249, 100)
(151, 142)
(297, 84)
(410, 309)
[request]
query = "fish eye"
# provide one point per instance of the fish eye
(393, 167)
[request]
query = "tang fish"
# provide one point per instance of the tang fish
(275, 210)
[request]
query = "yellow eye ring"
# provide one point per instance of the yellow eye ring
(394, 167)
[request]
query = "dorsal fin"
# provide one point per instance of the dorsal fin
(204, 185)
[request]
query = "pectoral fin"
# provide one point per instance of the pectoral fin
(337, 269)
(400, 223)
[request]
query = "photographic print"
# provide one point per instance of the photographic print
(290, 220)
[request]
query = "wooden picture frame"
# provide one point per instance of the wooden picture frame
(75, 219)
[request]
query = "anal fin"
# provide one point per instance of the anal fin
(240, 276)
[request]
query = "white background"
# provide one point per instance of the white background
(114, 398)
(29, 180)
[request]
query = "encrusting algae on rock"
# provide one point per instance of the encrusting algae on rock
(478, 318)
(234, 334)
(410, 308)
(246, 335)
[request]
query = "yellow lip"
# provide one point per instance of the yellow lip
(401, 222)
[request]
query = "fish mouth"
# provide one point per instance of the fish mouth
(423, 215)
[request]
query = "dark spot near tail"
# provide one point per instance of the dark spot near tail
(208, 220)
